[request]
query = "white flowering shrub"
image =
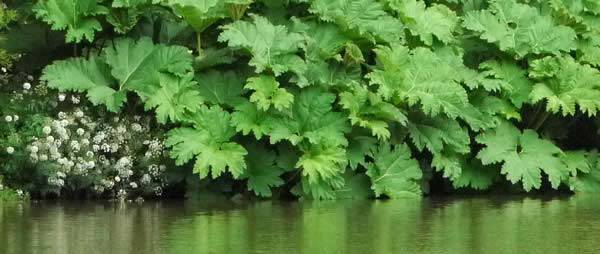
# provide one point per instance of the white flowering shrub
(24, 107)
(113, 156)
(52, 143)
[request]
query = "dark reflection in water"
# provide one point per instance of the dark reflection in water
(471, 225)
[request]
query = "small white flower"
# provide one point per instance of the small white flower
(62, 97)
(80, 131)
(50, 139)
(79, 114)
(43, 157)
(136, 127)
(26, 85)
(8, 119)
(34, 149)
(20, 192)
(10, 150)
(62, 115)
(117, 179)
(133, 185)
(75, 99)
(29, 77)
(15, 118)
(4, 70)
(47, 130)
(145, 179)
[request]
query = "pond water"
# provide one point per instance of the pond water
(430, 225)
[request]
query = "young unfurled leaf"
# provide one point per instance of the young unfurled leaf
(520, 29)
(267, 93)
(209, 142)
(426, 22)
(77, 17)
(394, 173)
(524, 156)
(272, 46)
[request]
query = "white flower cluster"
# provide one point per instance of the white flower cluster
(105, 155)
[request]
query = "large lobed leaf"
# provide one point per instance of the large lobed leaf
(520, 29)
(524, 156)
(77, 17)
(209, 142)
(155, 72)
(272, 46)
(367, 18)
(393, 172)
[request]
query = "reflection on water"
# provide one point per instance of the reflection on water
(472, 225)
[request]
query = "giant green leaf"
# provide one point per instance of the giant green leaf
(426, 22)
(267, 93)
(520, 29)
(173, 98)
(91, 76)
(272, 46)
(263, 172)
(77, 17)
(565, 85)
(393, 172)
(137, 64)
(209, 142)
(524, 156)
(367, 18)
(311, 119)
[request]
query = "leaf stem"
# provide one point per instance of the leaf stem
(199, 44)
(541, 120)
(156, 30)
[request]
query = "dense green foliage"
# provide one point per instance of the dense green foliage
(340, 98)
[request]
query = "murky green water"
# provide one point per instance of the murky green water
(469, 225)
